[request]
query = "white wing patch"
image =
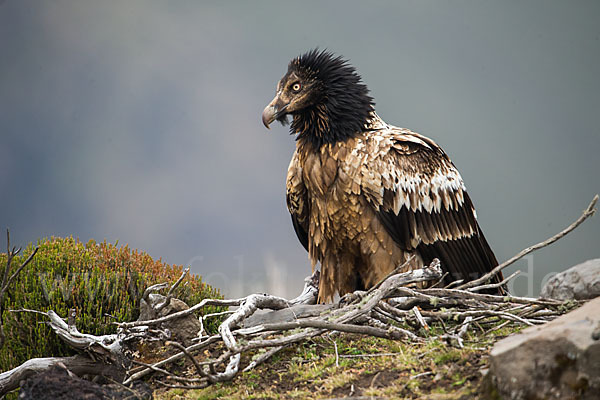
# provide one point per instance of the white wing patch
(373, 169)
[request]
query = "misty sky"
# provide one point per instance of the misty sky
(139, 121)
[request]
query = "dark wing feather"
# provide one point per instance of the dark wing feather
(300, 231)
(426, 207)
(467, 257)
(297, 200)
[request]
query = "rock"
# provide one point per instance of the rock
(183, 329)
(57, 383)
(557, 360)
(580, 282)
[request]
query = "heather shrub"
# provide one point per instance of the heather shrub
(102, 281)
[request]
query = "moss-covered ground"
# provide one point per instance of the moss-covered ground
(364, 366)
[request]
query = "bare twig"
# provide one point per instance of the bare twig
(588, 212)
(7, 283)
(171, 290)
(370, 355)
(494, 285)
(7, 280)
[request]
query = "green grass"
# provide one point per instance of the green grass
(103, 282)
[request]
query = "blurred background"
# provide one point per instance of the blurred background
(140, 121)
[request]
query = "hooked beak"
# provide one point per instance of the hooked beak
(268, 115)
(272, 112)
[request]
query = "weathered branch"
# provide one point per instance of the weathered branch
(310, 292)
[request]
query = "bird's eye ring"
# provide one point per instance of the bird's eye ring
(296, 87)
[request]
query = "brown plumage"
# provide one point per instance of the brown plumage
(365, 196)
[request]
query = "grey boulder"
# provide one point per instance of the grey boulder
(557, 360)
(580, 282)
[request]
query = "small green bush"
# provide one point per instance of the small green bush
(103, 282)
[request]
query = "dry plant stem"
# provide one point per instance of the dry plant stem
(383, 318)
(494, 285)
(178, 282)
(171, 290)
(246, 309)
(6, 283)
(10, 254)
(7, 280)
(588, 212)
(478, 313)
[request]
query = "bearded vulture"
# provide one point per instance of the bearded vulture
(364, 195)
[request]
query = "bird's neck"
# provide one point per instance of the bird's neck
(319, 126)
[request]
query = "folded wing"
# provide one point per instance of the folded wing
(425, 206)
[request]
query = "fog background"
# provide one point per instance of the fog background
(139, 121)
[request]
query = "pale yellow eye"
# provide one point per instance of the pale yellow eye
(296, 87)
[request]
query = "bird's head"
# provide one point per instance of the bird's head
(325, 97)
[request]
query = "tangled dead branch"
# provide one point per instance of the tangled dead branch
(262, 324)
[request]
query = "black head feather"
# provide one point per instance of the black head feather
(339, 105)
